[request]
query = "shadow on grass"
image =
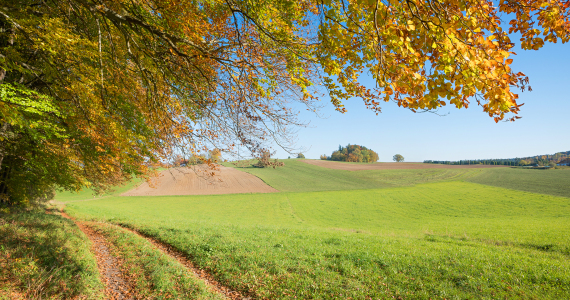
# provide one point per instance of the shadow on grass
(46, 256)
(466, 241)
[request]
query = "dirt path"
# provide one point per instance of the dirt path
(207, 278)
(116, 287)
(389, 166)
(198, 180)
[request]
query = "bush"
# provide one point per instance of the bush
(324, 157)
(300, 155)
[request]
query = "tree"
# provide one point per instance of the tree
(324, 157)
(96, 91)
(398, 158)
(215, 155)
(300, 155)
(264, 161)
(354, 153)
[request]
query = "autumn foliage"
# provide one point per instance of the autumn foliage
(264, 161)
(354, 153)
(94, 92)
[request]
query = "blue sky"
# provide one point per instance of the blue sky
(461, 134)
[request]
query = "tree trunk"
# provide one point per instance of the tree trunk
(2, 150)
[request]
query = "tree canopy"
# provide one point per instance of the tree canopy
(354, 153)
(94, 91)
(398, 158)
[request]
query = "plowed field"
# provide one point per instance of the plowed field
(389, 166)
(195, 181)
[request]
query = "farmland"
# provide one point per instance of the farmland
(375, 233)
(551, 182)
(299, 176)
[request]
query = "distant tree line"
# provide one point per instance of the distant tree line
(538, 160)
(352, 153)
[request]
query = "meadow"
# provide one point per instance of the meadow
(298, 176)
(544, 181)
(334, 234)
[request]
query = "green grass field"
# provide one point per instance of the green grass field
(438, 240)
(550, 182)
(44, 256)
(332, 234)
(153, 274)
(88, 194)
(298, 176)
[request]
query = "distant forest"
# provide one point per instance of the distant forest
(538, 160)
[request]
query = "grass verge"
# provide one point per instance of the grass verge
(44, 256)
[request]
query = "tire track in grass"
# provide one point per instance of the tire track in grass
(116, 286)
(206, 277)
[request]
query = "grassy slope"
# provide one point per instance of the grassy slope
(550, 182)
(444, 239)
(297, 176)
(87, 194)
(44, 256)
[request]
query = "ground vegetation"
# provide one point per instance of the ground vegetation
(377, 243)
(299, 176)
(43, 256)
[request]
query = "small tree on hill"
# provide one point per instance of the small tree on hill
(324, 157)
(301, 155)
(265, 161)
(398, 158)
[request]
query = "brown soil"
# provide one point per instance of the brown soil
(116, 287)
(198, 181)
(389, 166)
